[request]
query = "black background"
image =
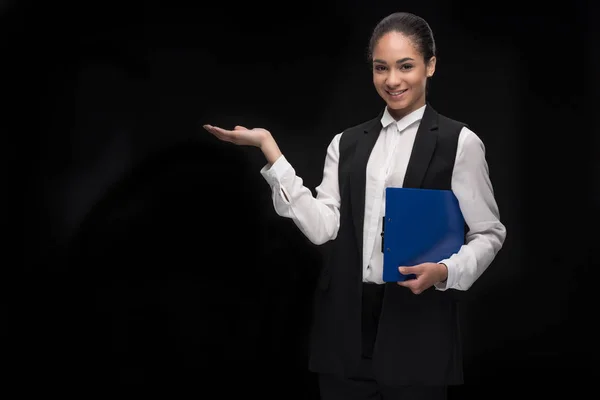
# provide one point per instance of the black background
(153, 257)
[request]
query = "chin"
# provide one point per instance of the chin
(396, 107)
(398, 111)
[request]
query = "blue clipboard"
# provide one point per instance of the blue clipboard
(420, 225)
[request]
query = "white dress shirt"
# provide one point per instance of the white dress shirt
(319, 218)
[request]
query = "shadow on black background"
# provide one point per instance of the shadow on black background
(184, 287)
(167, 284)
(153, 258)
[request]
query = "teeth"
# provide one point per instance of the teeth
(397, 93)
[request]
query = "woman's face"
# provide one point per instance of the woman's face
(400, 74)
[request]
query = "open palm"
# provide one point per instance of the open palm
(239, 135)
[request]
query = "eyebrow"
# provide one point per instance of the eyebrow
(405, 59)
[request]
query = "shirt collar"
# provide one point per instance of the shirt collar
(405, 122)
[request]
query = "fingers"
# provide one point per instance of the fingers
(417, 270)
(414, 285)
(425, 276)
(216, 129)
(209, 128)
(212, 128)
(240, 135)
(220, 133)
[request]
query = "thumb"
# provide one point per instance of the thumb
(408, 270)
(239, 127)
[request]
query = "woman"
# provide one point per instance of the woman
(370, 338)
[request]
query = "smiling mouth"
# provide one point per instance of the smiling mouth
(396, 93)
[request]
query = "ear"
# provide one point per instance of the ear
(431, 66)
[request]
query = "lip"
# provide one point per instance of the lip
(396, 96)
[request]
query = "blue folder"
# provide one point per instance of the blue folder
(420, 225)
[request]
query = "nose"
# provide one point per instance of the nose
(393, 79)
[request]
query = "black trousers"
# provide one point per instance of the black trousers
(363, 386)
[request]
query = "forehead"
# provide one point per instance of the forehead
(395, 45)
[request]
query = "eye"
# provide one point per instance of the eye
(380, 67)
(406, 67)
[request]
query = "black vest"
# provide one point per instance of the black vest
(418, 339)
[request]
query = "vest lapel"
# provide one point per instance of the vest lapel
(358, 176)
(423, 149)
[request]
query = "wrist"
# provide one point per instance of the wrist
(443, 272)
(269, 148)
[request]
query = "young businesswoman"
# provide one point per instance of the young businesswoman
(369, 338)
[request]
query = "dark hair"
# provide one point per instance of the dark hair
(410, 25)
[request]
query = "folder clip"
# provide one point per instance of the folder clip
(382, 230)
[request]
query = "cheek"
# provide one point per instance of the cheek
(419, 82)
(378, 80)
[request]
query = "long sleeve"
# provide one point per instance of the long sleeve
(317, 217)
(472, 186)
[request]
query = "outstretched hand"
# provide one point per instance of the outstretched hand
(427, 274)
(240, 135)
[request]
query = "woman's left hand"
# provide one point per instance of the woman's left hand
(427, 275)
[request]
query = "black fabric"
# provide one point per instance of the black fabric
(372, 297)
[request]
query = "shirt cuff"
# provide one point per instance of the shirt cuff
(274, 172)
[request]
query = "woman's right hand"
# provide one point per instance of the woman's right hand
(240, 135)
